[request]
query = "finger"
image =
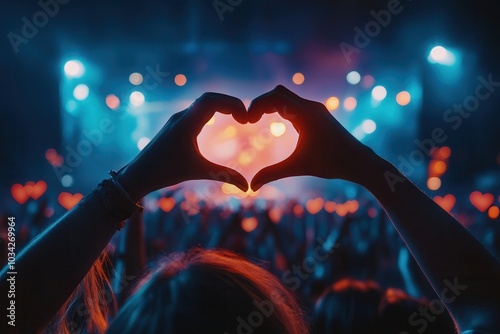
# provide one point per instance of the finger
(281, 170)
(224, 174)
(202, 110)
(287, 106)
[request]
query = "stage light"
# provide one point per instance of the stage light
(81, 92)
(135, 79)
(277, 129)
(350, 103)
(141, 143)
(112, 101)
(298, 78)
(137, 99)
(74, 69)
(369, 126)
(353, 78)
(434, 183)
(67, 181)
(180, 80)
(440, 55)
(332, 103)
(403, 98)
(379, 93)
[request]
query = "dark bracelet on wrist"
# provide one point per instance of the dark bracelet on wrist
(116, 201)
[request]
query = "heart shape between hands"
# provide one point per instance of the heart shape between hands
(247, 148)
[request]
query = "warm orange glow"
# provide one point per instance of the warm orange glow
(180, 80)
(68, 201)
(314, 206)
(330, 206)
(166, 204)
(211, 121)
(249, 224)
(341, 210)
(442, 153)
(275, 214)
(447, 202)
(277, 129)
(481, 201)
(112, 101)
(434, 183)
(493, 212)
(246, 157)
(298, 210)
(230, 189)
(230, 132)
(437, 167)
(403, 98)
(298, 78)
(332, 103)
(352, 206)
(350, 103)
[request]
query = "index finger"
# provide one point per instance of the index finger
(204, 108)
(286, 105)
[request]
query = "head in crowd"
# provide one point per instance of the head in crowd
(209, 291)
(353, 306)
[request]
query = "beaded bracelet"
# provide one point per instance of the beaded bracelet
(117, 203)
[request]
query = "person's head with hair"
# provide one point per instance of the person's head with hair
(400, 313)
(209, 291)
(347, 306)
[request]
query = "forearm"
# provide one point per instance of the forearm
(52, 266)
(447, 253)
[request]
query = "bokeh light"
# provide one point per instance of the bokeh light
(141, 143)
(437, 167)
(368, 126)
(350, 103)
(298, 78)
(81, 92)
(493, 212)
(403, 98)
(368, 81)
(67, 181)
(137, 99)
(180, 80)
(135, 78)
(74, 69)
(277, 129)
(353, 78)
(434, 183)
(249, 224)
(332, 103)
(379, 93)
(112, 101)
(230, 132)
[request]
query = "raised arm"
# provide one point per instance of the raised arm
(461, 271)
(52, 265)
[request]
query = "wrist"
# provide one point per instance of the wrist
(132, 183)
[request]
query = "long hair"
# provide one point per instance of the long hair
(209, 291)
(91, 304)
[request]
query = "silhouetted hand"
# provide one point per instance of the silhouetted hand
(324, 149)
(173, 156)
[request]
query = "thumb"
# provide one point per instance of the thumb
(285, 168)
(225, 174)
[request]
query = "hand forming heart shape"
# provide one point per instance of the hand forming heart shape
(324, 148)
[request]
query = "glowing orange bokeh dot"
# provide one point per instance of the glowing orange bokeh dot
(403, 98)
(298, 78)
(249, 224)
(493, 212)
(332, 103)
(180, 80)
(434, 183)
(350, 103)
(112, 101)
(437, 167)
